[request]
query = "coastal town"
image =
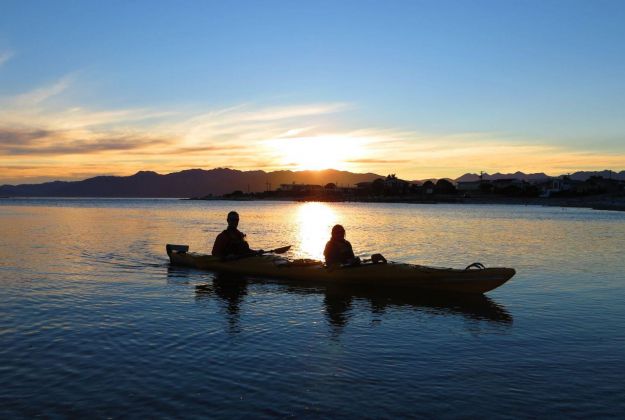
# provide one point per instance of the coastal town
(595, 192)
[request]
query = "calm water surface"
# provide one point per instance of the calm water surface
(94, 322)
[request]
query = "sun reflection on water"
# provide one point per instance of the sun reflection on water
(313, 221)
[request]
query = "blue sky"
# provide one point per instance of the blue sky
(545, 74)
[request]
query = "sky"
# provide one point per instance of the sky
(417, 88)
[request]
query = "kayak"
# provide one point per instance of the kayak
(400, 276)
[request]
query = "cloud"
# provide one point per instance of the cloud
(45, 142)
(20, 137)
(40, 135)
(368, 160)
(5, 56)
(295, 132)
(493, 156)
(42, 94)
(249, 123)
(288, 112)
(40, 138)
(214, 150)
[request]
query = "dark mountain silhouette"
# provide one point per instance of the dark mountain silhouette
(188, 183)
(433, 180)
(199, 182)
(517, 175)
(584, 175)
(540, 176)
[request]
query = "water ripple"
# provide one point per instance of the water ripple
(93, 321)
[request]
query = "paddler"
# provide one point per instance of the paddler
(231, 243)
(338, 250)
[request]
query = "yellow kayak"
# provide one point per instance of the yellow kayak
(391, 275)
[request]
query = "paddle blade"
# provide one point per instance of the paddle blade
(281, 250)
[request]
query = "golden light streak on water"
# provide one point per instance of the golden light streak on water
(314, 222)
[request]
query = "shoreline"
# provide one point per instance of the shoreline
(607, 202)
(595, 203)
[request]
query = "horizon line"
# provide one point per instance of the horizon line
(312, 170)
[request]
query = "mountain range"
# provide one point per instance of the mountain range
(540, 176)
(200, 182)
(187, 183)
(468, 177)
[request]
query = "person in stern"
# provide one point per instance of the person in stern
(338, 250)
(231, 244)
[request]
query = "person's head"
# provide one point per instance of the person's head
(338, 232)
(233, 219)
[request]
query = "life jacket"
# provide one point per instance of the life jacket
(338, 251)
(231, 242)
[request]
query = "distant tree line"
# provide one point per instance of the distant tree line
(391, 186)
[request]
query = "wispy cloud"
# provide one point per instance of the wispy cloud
(453, 155)
(40, 139)
(45, 142)
(371, 160)
(42, 94)
(289, 112)
(33, 127)
(5, 56)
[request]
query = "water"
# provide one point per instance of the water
(94, 322)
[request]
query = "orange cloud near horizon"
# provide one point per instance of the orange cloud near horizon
(42, 142)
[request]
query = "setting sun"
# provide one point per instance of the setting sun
(320, 152)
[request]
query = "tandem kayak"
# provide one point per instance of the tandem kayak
(391, 275)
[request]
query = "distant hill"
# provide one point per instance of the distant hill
(584, 175)
(517, 175)
(200, 182)
(540, 176)
(434, 180)
(188, 183)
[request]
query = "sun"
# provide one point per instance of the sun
(320, 152)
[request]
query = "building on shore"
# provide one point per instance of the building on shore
(557, 186)
(300, 187)
(469, 186)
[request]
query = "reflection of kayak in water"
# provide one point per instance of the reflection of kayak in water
(391, 275)
(232, 289)
(471, 306)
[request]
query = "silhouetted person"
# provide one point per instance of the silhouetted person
(338, 250)
(231, 242)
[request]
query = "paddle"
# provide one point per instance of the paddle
(280, 250)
